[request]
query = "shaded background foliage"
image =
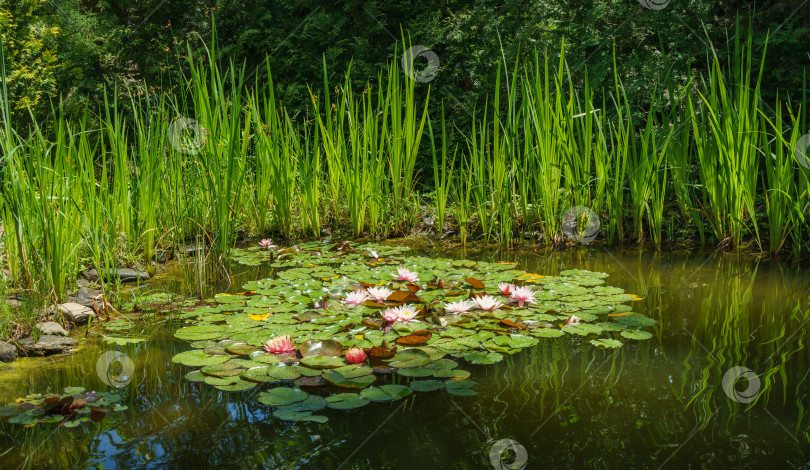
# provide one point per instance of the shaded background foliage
(71, 49)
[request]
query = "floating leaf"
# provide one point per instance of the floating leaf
(386, 392)
(606, 343)
(197, 358)
(636, 334)
(426, 385)
(281, 396)
(460, 387)
(323, 362)
(346, 401)
(318, 347)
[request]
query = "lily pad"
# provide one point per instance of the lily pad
(636, 334)
(426, 385)
(323, 362)
(318, 347)
(197, 358)
(282, 396)
(386, 392)
(346, 401)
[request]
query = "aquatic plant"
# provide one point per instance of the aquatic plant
(505, 288)
(405, 274)
(522, 295)
(396, 338)
(488, 303)
(459, 307)
(266, 243)
(279, 345)
(73, 407)
(355, 356)
(353, 299)
(379, 294)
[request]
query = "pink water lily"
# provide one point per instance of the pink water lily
(390, 314)
(522, 295)
(267, 243)
(355, 356)
(403, 313)
(280, 345)
(379, 294)
(505, 288)
(462, 306)
(405, 274)
(353, 299)
(488, 303)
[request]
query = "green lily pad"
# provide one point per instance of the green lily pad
(636, 320)
(426, 385)
(386, 392)
(346, 401)
(415, 372)
(636, 334)
(477, 357)
(606, 343)
(323, 362)
(456, 374)
(318, 347)
(337, 379)
(197, 358)
(296, 415)
(282, 372)
(282, 396)
(460, 387)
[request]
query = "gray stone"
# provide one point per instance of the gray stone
(76, 313)
(51, 328)
(47, 344)
(124, 274)
(8, 352)
(162, 256)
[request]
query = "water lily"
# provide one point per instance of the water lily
(407, 313)
(379, 294)
(505, 288)
(355, 356)
(573, 320)
(390, 314)
(373, 254)
(522, 295)
(462, 306)
(267, 243)
(353, 299)
(279, 345)
(405, 274)
(404, 313)
(488, 303)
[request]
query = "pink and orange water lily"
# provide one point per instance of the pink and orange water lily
(267, 243)
(280, 345)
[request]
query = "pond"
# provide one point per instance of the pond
(722, 382)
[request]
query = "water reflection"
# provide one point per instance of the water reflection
(648, 404)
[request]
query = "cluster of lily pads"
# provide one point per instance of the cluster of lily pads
(340, 327)
(71, 408)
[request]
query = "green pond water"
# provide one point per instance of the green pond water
(656, 403)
